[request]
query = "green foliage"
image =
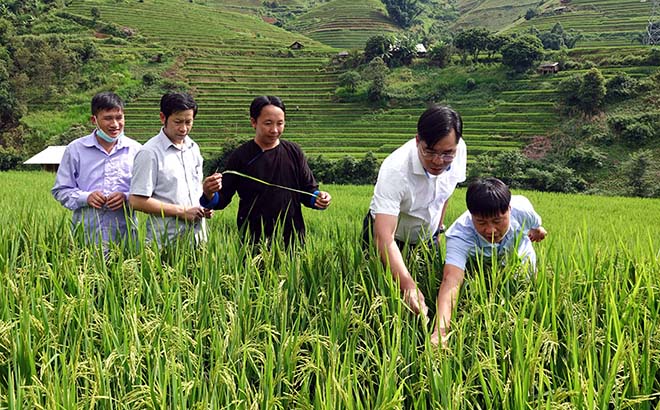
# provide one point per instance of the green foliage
(402, 53)
(9, 159)
(518, 171)
(551, 41)
(440, 54)
(218, 162)
(403, 12)
(585, 159)
(531, 13)
(591, 94)
(95, 13)
(376, 71)
(522, 53)
(621, 87)
(350, 80)
(378, 46)
(636, 129)
(471, 42)
(642, 174)
(346, 170)
(586, 93)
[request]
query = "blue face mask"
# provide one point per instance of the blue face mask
(105, 137)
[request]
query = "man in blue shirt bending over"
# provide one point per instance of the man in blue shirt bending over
(494, 225)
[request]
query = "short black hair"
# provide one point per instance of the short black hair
(437, 122)
(106, 100)
(488, 197)
(172, 102)
(260, 102)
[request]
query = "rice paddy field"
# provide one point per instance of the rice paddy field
(323, 327)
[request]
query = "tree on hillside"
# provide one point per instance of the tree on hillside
(402, 53)
(591, 93)
(403, 12)
(641, 176)
(350, 80)
(376, 71)
(471, 42)
(495, 42)
(378, 46)
(522, 53)
(568, 92)
(440, 54)
(551, 41)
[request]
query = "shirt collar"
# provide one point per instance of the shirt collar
(417, 167)
(165, 142)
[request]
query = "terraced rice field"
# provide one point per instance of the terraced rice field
(225, 86)
(345, 24)
(602, 22)
(231, 58)
(187, 25)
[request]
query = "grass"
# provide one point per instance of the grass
(221, 326)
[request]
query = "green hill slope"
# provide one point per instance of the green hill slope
(344, 23)
(187, 25)
(232, 57)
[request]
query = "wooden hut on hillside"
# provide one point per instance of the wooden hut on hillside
(548, 68)
(296, 45)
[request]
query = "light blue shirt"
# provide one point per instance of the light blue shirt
(464, 242)
(172, 175)
(87, 167)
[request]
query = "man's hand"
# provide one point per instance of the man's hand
(440, 336)
(96, 199)
(193, 214)
(414, 298)
(115, 201)
(323, 200)
(208, 213)
(537, 234)
(212, 184)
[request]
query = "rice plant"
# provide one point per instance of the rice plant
(323, 326)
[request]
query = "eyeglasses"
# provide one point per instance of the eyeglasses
(428, 154)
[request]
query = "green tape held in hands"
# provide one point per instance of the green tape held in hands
(240, 174)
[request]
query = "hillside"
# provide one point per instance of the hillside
(227, 52)
(227, 66)
(346, 24)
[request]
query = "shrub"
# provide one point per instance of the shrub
(9, 159)
(621, 87)
(219, 161)
(635, 129)
(346, 170)
(470, 84)
(149, 79)
(642, 174)
(350, 80)
(585, 159)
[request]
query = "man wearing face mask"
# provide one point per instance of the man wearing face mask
(94, 175)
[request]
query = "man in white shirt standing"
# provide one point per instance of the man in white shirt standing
(167, 175)
(411, 193)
